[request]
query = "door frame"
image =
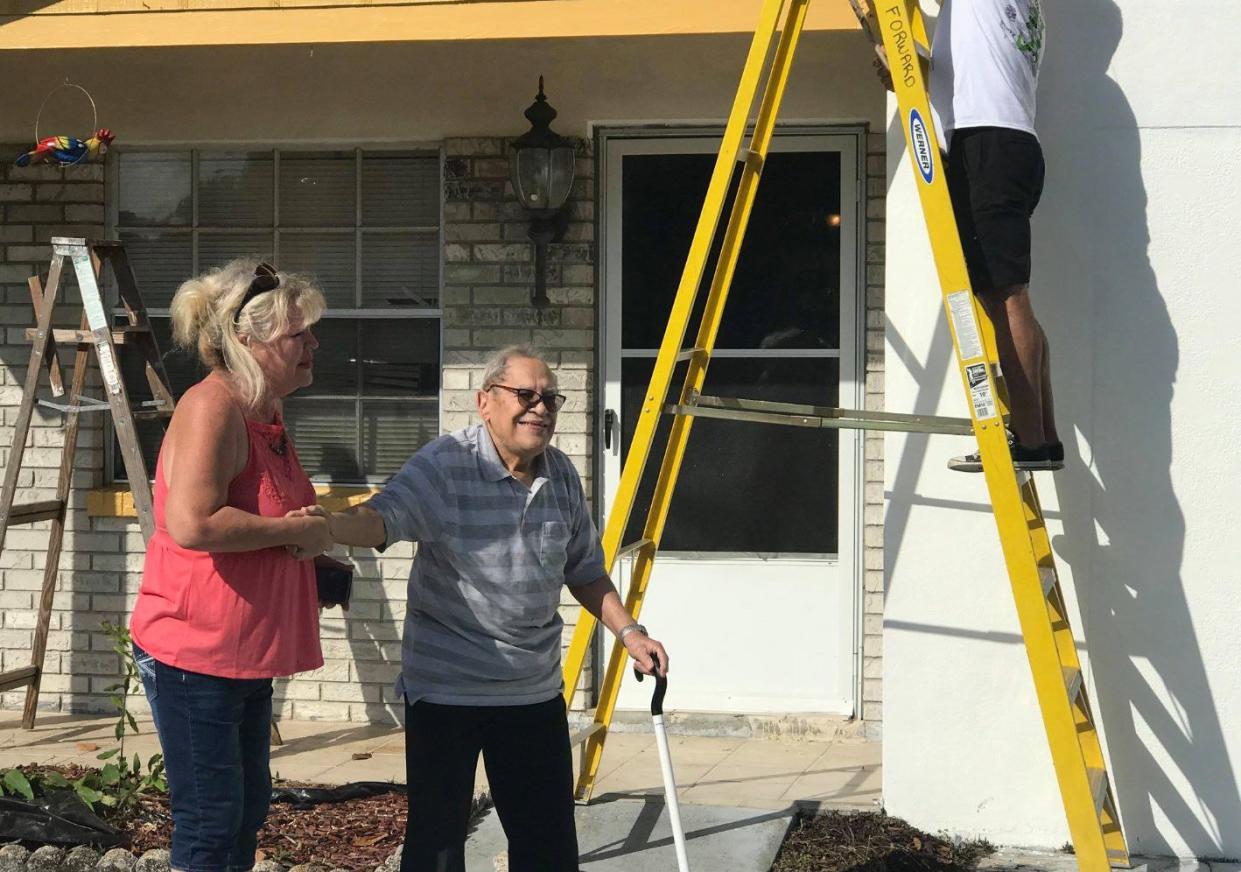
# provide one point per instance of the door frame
(612, 142)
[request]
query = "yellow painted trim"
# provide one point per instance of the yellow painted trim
(116, 501)
(63, 24)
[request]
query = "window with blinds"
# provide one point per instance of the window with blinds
(364, 224)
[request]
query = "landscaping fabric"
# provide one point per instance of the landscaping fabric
(55, 817)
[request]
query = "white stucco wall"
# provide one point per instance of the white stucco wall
(1135, 282)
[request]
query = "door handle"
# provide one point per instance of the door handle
(609, 422)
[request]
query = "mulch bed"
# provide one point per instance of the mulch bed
(871, 842)
(358, 834)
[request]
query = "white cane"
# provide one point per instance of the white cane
(665, 764)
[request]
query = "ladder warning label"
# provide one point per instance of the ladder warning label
(961, 308)
(107, 368)
(980, 391)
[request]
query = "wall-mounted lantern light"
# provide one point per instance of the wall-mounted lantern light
(541, 168)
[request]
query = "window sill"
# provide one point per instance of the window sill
(117, 501)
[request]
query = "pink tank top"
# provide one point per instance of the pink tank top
(244, 614)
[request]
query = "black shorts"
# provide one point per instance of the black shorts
(995, 177)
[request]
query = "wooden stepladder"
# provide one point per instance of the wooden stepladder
(898, 27)
(87, 259)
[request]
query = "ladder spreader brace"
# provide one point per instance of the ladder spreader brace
(898, 29)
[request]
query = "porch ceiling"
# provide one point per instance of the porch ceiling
(70, 24)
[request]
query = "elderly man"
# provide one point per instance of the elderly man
(501, 523)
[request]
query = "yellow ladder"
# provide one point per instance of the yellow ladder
(899, 27)
(86, 258)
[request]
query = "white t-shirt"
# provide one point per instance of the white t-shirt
(985, 59)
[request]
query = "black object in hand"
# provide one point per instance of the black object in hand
(335, 581)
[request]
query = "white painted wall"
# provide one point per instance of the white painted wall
(1135, 281)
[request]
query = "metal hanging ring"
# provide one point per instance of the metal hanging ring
(94, 115)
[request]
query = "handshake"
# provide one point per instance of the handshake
(313, 535)
(312, 538)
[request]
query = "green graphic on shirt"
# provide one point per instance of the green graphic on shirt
(1028, 34)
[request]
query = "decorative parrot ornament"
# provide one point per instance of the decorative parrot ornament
(67, 150)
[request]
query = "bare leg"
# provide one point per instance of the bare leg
(1049, 410)
(1022, 346)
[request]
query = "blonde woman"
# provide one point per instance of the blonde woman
(223, 606)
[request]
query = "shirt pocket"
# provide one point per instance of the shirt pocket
(554, 544)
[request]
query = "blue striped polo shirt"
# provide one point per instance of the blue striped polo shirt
(482, 627)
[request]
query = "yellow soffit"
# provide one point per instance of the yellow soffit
(67, 24)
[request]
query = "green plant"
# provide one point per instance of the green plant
(120, 781)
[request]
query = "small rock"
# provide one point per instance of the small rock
(154, 860)
(13, 858)
(361, 755)
(308, 867)
(86, 747)
(80, 859)
(45, 859)
(117, 860)
(393, 863)
(267, 866)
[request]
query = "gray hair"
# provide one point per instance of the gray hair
(497, 364)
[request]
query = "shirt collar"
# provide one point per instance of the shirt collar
(490, 464)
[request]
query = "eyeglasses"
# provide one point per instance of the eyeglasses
(266, 278)
(529, 398)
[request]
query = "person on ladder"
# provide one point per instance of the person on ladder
(985, 58)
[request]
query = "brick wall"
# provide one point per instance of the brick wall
(37, 203)
(872, 511)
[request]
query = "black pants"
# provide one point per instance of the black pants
(529, 768)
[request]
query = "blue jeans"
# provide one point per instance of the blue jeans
(216, 735)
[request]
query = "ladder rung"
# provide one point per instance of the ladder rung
(152, 414)
(687, 353)
(85, 337)
(1098, 787)
(1121, 857)
(1047, 576)
(28, 513)
(632, 548)
(18, 677)
(1073, 682)
(823, 417)
(582, 735)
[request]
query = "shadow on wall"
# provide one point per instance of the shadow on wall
(1097, 293)
(1152, 688)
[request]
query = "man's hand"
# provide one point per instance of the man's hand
(313, 536)
(643, 649)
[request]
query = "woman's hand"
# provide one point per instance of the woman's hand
(312, 534)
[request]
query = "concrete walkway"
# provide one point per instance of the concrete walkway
(766, 774)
